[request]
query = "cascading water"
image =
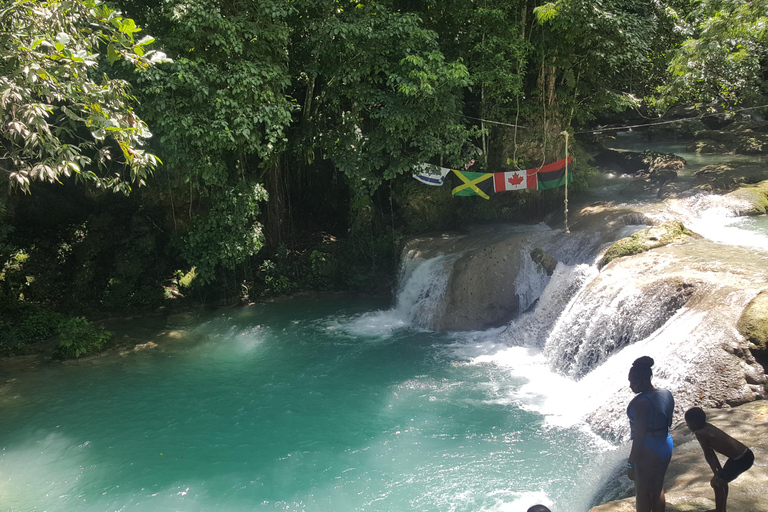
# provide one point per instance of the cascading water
(422, 288)
(338, 405)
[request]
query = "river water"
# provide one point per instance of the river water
(312, 404)
(322, 404)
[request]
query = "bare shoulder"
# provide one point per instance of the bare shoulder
(706, 433)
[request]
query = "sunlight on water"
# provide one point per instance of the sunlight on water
(291, 408)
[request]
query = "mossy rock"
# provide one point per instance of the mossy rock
(753, 323)
(728, 176)
(752, 144)
(756, 196)
(647, 239)
(707, 147)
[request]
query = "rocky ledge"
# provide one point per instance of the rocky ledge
(687, 481)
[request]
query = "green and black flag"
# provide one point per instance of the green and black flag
(553, 175)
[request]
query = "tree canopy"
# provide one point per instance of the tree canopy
(285, 124)
(62, 114)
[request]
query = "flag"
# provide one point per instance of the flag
(515, 180)
(430, 174)
(553, 175)
(473, 184)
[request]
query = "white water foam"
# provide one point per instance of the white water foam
(533, 327)
(422, 288)
(719, 219)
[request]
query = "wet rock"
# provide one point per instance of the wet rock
(481, 292)
(647, 164)
(619, 160)
(671, 189)
(547, 262)
(752, 145)
(753, 324)
(729, 176)
(752, 198)
(687, 480)
(707, 147)
(651, 238)
(742, 138)
(638, 188)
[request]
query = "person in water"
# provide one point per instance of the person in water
(539, 508)
(650, 416)
(712, 439)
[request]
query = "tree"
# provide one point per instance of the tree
(378, 94)
(62, 115)
(723, 62)
(220, 113)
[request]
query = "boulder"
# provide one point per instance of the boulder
(753, 144)
(623, 161)
(731, 175)
(647, 239)
(544, 260)
(707, 147)
(753, 324)
(646, 163)
(752, 198)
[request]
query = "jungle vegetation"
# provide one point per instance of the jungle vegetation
(221, 150)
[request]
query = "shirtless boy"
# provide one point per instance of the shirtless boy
(712, 439)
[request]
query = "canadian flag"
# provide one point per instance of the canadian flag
(515, 180)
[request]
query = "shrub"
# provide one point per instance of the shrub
(27, 326)
(79, 338)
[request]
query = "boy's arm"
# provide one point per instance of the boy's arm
(709, 453)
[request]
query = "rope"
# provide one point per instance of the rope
(625, 127)
(494, 122)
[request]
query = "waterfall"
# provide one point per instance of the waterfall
(421, 288)
(719, 218)
(532, 328)
(678, 303)
(606, 316)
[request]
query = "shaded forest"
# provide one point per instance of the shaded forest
(161, 154)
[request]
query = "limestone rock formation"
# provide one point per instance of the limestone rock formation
(687, 481)
(728, 176)
(647, 239)
(753, 324)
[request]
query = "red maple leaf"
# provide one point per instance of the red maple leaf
(516, 179)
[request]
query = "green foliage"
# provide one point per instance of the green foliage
(14, 282)
(61, 114)
(227, 235)
(79, 338)
(275, 283)
(221, 103)
(379, 95)
(27, 326)
(186, 279)
(722, 62)
(590, 50)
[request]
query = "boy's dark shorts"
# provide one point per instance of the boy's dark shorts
(735, 467)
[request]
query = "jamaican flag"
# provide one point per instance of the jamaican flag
(473, 184)
(553, 175)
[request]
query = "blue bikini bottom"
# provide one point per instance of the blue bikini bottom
(661, 445)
